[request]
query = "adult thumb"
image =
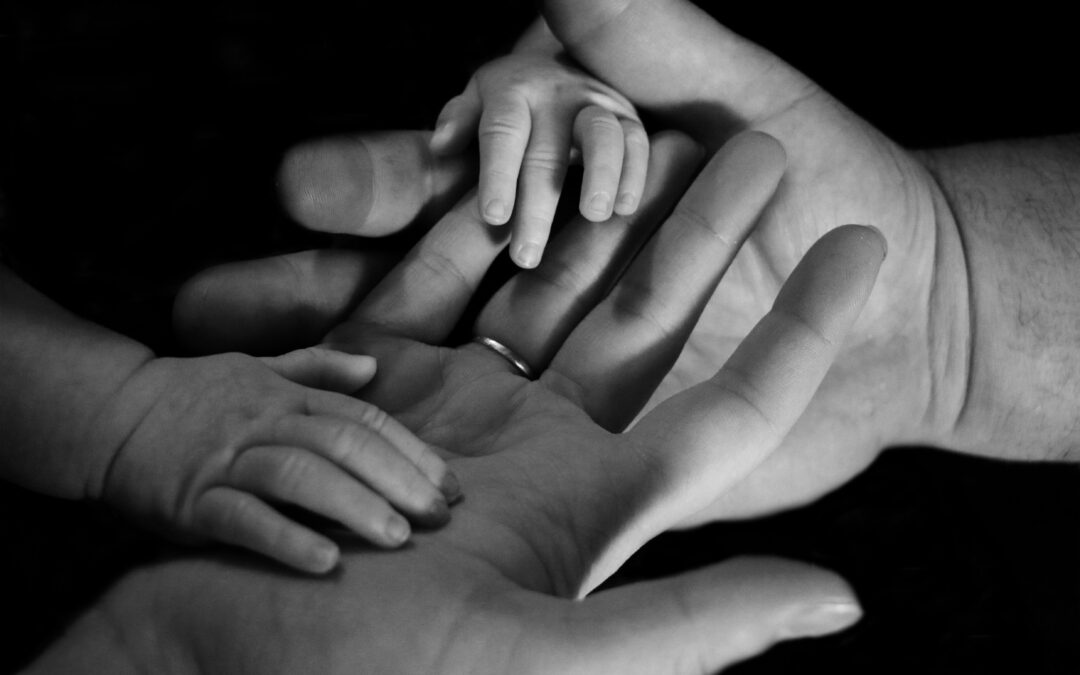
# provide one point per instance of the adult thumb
(705, 620)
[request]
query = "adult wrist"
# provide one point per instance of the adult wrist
(1018, 220)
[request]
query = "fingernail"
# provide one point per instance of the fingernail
(495, 212)
(527, 255)
(884, 241)
(325, 556)
(823, 618)
(600, 204)
(439, 512)
(626, 202)
(450, 487)
(397, 530)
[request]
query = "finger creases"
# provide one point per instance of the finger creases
(537, 309)
(624, 347)
(724, 427)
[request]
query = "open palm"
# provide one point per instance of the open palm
(554, 501)
(671, 58)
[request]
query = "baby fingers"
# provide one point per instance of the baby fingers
(295, 476)
(505, 128)
(241, 519)
(615, 154)
(367, 456)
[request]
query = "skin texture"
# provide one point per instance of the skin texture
(955, 299)
(554, 501)
(199, 448)
(968, 340)
(528, 109)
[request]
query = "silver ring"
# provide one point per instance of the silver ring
(508, 354)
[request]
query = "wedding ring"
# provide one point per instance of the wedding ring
(508, 354)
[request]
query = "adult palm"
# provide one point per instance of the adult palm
(554, 501)
(893, 382)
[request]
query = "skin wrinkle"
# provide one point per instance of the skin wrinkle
(963, 411)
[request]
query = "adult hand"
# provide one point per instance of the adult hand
(554, 501)
(900, 376)
(369, 185)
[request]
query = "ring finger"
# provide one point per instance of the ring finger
(536, 309)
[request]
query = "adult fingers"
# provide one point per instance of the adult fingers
(325, 369)
(702, 621)
(372, 184)
(620, 351)
(365, 454)
(505, 126)
(705, 439)
(634, 168)
(536, 309)
(670, 55)
(600, 136)
(458, 121)
(273, 305)
(241, 519)
(295, 476)
(543, 170)
(423, 297)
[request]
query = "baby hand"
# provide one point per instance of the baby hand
(216, 441)
(529, 110)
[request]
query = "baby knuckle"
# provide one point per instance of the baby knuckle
(546, 160)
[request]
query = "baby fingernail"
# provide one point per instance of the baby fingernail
(450, 487)
(823, 619)
(397, 530)
(527, 255)
(325, 556)
(439, 512)
(626, 201)
(496, 212)
(600, 204)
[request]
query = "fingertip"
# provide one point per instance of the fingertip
(823, 618)
(323, 558)
(450, 486)
(596, 207)
(364, 367)
(440, 140)
(496, 212)
(875, 236)
(763, 153)
(526, 254)
(626, 204)
(396, 531)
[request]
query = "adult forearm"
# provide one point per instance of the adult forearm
(59, 374)
(1016, 206)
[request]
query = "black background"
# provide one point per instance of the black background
(140, 142)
